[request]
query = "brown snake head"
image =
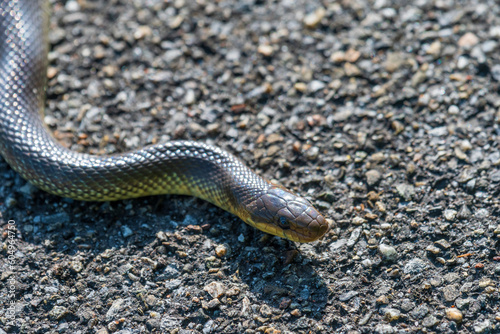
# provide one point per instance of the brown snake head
(285, 214)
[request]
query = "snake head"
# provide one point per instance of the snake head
(285, 214)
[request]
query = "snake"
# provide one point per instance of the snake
(179, 167)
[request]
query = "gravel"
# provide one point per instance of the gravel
(384, 114)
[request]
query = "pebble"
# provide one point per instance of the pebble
(313, 19)
(495, 72)
(415, 266)
(450, 214)
(58, 312)
(391, 314)
(351, 70)
(126, 231)
(451, 292)
(454, 314)
(444, 244)
(10, 202)
(358, 221)
(430, 321)
(434, 49)
(315, 86)
(312, 153)
(388, 253)
(420, 312)
(482, 327)
(115, 308)
(215, 289)
(265, 49)
(406, 191)
(296, 313)
(300, 86)
(221, 250)
(348, 295)
(384, 329)
(212, 304)
(468, 40)
(433, 249)
(372, 177)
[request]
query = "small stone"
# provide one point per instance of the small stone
(468, 40)
(460, 154)
(351, 70)
(465, 145)
(451, 292)
(420, 312)
(315, 86)
(481, 213)
(142, 31)
(397, 126)
(348, 295)
(462, 303)
(415, 266)
(115, 308)
(266, 311)
(77, 266)
(434, 49)
(126, 231)
(388, 253)
(407, 191)
(372, 177)
(190, 97)
(214, 303)
(72, 6)
(265, 49)
(484, 282)
(358, 221)
(382, 300)
(221, 250)
(337, 57)
(300, 86)
(312, 153)
(454, 314)
(352, 55)
(384, 329)
(296, 313)
(58, 312)
(51, 72)
(176, 22)
(433, 249)
(444, 244)
(313, 19)
(450, 214)
(215, 289)
(495, 72)
(482, 327)
(495, 176)
(430, 321)
(453, 110)
(10, 202)
(391, 314)
(285, 302)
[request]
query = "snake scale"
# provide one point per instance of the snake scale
(175, 167)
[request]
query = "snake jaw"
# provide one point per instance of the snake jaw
(283, 213)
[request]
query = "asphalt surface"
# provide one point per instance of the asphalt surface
(385, 115)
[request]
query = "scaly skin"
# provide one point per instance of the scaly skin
(177, 167)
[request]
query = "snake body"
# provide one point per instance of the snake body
(176, 167)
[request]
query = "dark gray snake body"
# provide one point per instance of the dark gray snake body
(177, 167)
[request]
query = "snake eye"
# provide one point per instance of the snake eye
(283, 222)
